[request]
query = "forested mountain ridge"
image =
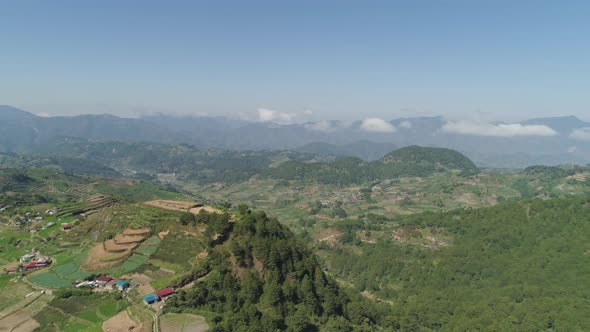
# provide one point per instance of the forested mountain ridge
(148, 160)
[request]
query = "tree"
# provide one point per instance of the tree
(244, 209)
(187, 218)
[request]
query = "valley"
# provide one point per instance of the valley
(384, 247)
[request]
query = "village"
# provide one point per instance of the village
(107, 283)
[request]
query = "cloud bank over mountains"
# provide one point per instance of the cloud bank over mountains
(376, 125)
(582, 134)
(266, 115)
(497, 130)
(556, 140)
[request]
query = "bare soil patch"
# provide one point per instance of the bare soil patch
(138, 231)
(174, 205)
(121, 323)
(18, 321)
(98, 258)
(329, 235)
(143, 283)
(127, 239)
(183, 323)
(192, 207)
(209, 209)
(112, 246)
(161, 235)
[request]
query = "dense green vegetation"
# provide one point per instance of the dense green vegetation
(61, 163)
(186, 162)
(382, 262)
(405, 162)
(79, 310)
(517, 266)
(265, 279)
(440, 157)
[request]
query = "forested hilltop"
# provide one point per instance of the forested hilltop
(405, 162)
(440, 157)
(265, 279)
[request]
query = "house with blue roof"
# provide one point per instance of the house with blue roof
(122, 285)
(150, 298)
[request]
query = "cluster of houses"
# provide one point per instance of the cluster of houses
(105, 282)
(20, 222)
(37, 263)
(64, 226)
(158, 295)
(31, 217)
(30, 262)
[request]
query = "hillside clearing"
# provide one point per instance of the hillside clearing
(183, 323)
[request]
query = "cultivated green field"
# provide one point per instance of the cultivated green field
(79, 313)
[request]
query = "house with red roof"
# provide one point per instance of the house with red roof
(34, 265)
(162, 293)
(103, 280)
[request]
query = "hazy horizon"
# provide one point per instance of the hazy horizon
(305, 61)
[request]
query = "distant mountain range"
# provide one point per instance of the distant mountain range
(557, 140)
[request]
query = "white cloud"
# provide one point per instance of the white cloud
(43, 114)
(572, 149)
(582, 134)
(376, 125)
(325, 126)
(266, 115)
(497, 130)
(406, 124)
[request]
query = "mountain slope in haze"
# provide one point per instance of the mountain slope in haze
(364, 149)
(564, 125)
(77, 166)
(21, 131)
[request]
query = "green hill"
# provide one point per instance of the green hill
(405, 162)
(439, 157)
(265, 279)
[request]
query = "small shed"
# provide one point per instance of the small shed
(122, 284)
(110, 284)
(150, 298)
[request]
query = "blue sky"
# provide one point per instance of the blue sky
(338, 59)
